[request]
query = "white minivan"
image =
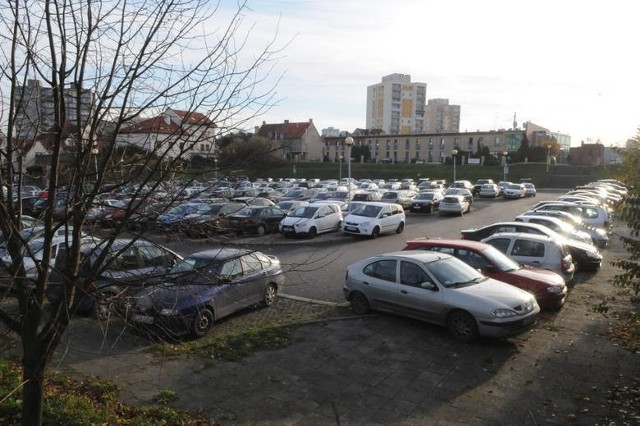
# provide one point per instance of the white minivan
(373, 219)
(311, 220)
(535, 250)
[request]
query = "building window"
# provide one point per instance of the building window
(496, 141)
(430, 144)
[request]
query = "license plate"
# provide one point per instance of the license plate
(143, 319)
(287, 228)
(350, 228)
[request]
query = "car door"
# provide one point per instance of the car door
(527, 252)
(322, 218)
(380, 284)
(233, 293)
(418, 295)
(272, 217)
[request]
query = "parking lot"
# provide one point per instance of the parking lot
(382, 369)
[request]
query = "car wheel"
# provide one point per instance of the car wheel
(400, 228)
(261, 230)
(313, 232)
(203, 322)
(270, 295)
(375, 233)
(462, 326)
(461, 212)
(359, 303)
(430, 209)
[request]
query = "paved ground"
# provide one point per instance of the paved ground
(382, 369)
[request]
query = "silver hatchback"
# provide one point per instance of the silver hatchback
(441, 289)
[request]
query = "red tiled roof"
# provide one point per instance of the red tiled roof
(284, 130)
(152, 125)
(194, 117)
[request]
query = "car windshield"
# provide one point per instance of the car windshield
(190, 264)
(500, 260)
(389, 195)
(514, 187)
(365, 210)
(306, 212)
(246, 212)
(424, 196)
(452, 272)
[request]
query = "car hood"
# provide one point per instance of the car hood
(351, 218)
(494, 294)
(289, 220)
(529, 273)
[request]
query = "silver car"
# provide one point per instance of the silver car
(441, 289)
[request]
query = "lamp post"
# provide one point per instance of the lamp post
(454, 152)
(505, 166)
(95, 152)
(548, 157)
(349, 141)
(340, 159)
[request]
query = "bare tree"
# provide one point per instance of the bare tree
(102, 66)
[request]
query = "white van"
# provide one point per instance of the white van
(311, 220)
(373, 219)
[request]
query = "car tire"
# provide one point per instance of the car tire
(462, 326)
(461, 212)
(270, 295)
(400, 228)
(375, 233)
(261, 230)
(203, 322)
(313, 232)
(359, 303)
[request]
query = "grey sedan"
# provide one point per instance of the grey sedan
(441, 289)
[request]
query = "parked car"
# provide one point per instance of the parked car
(548, 287)
(586, 256)
(210, 223)
(129, 264)
(205, 287)
(311, 220)
(463, 184)
(478, 185)
(400, 196)
(374, 219)
(513, 191)
(529, 189)
(291, 205)
(599, 236)
(489, 190)
(591, 214)
(172, 219)
(440, 289)
(257, 220)
(367, 196)
(558, 225)
(454, 204)
(536, 250)
(460, 191)
(426, 202)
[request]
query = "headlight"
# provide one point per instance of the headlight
(169, 311)
(504, 313)
(555, 289)
(594, 255)
(364, 224)
(602, 232)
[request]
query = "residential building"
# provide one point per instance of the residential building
(35, 108)
(174, 134)
(425, 147)
(442, 117)
(296, 141)
(396, 105)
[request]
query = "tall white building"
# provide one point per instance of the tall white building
(396, 105)
(442, 117)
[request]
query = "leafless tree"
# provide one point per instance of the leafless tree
(104, 65)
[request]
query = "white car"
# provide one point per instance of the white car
(536, 250)
(440, 289)
(529, 189)
(311, 220)
(558, 225)
(514, 190)
(454, 204)
(373, 219)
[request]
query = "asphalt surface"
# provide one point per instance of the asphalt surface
(384, 369)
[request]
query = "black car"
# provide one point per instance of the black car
(128, 264)
(255, 219)
(585, 256)
(204, 287)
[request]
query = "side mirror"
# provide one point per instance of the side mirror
(428, 285)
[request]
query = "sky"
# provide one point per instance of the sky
(565, 65)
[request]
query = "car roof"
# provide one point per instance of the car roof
(521, 235)
(420, 255)
(448, 242)
(220, 253)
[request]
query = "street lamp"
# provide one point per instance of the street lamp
(548, 157)
(454, 152)
(95, 152)
(505, 166)
(349, 141)
(340, 159)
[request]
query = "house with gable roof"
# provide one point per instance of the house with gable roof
(296, 141)
(174, 134)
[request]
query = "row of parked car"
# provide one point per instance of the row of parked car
(494, 280)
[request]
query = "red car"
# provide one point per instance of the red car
(548, 287)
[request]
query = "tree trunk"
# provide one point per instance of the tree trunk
(33, 392)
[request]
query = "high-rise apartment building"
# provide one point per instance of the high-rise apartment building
(35, 108)
(396, 105)
(442, 117)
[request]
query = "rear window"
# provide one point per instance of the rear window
(453, 200)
